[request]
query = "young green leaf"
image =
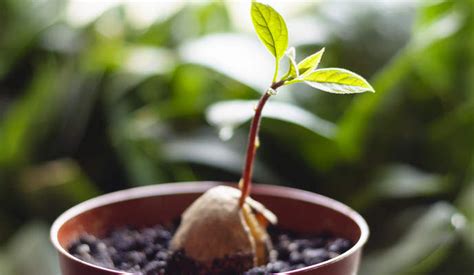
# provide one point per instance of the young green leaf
(292, 67)
(310, 63)
(270, 28)
(339, 81)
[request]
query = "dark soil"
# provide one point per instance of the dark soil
(145, 251)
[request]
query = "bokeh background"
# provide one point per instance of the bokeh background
(98, 96)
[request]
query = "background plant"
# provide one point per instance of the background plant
(126, 97)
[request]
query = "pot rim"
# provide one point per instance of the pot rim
(198, 186)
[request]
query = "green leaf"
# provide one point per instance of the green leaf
(270, 28)
(292, 67)
(339, 81)
(310, 63)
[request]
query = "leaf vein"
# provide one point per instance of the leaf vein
(266, 27)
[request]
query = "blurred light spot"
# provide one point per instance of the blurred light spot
(240, 15)
(60, 38)
(147, 60)
(83, 12)
(52, 173)
(141, 14)
(440, 29)
(226, 133)
(458, 221)
(240, 57)
(110, 25)
(145, 125)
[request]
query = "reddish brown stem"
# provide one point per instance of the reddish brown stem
(251, 146)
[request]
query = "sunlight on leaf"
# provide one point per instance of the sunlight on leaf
(310, 63)
(339, 81)
(231, 114)
(270, 28)
(292, 67)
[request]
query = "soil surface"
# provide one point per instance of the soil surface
(145, 251)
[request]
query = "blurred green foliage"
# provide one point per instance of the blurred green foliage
(96, 98)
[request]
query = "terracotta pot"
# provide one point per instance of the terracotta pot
(298, 210)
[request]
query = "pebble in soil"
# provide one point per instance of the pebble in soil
(146, 251)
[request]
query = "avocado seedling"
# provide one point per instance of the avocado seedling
(224, 230)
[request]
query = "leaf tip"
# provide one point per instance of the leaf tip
(370, 89)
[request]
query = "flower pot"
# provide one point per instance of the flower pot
(297, 210)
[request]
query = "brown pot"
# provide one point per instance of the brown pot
(297, 210)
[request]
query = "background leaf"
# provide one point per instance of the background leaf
(398, 181)
(230, 114)
(30, 252)
(433, 232)
(236, 56)
(20, 127)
